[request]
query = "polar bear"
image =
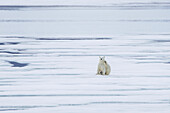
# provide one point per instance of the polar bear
(107, 68)
(101, 66)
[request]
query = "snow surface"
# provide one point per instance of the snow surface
(76, 2)
(49, 57)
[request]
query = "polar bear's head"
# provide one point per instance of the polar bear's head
(101, 59)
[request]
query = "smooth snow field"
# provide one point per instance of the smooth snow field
(49, 57)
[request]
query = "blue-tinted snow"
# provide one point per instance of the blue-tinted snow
(49, 56)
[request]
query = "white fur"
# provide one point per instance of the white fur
(107, 68)
(101, 66)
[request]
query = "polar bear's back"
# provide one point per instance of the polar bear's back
(108, 69)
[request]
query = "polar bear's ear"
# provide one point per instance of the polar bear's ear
(99, 57)
(103, 57)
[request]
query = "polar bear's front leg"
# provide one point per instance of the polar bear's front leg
(103, 72)
(98, 71)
